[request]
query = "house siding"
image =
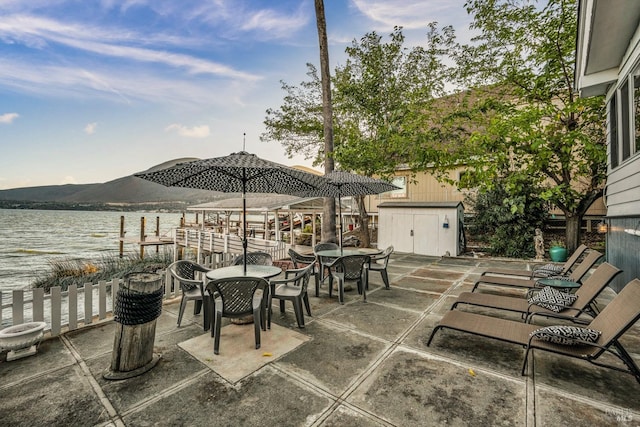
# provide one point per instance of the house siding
(623, 249)
(623, 189)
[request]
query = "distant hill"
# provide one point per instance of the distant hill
(129, 189)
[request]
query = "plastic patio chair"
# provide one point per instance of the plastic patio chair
(239, 297)
(293, 289)
(349, 268)
(255, 258)
(300, 261)
(186, 272)
(324, 260)
(379, 263)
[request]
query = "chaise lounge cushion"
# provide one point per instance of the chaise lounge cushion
(552, 299)
(567, 335)
(547, 270)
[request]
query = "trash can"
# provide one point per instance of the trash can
(138, 304)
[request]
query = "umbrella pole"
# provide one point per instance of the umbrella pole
(244, 222)
(340, 218)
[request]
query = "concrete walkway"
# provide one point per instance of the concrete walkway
(358, 364)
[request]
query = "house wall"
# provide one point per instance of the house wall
(427, 188)
(623, 249)
(622, 193)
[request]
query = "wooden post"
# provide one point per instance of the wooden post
(138, 305)
(143, 221)
(122, 236)
(157, 233)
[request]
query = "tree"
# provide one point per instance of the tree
(522, 61)
(329, 207)
(380, 87)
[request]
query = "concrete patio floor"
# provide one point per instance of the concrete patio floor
(357, 364)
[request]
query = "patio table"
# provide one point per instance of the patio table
(565, 285)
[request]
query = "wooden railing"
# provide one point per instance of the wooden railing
(216, 248)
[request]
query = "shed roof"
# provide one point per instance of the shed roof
(424, 205)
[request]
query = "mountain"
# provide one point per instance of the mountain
(129, 189)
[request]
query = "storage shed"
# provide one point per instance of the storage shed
(423, 228)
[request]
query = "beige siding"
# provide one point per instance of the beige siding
(426, 188)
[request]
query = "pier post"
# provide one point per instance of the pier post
(143, 222)
(121, 245)
(157, 233)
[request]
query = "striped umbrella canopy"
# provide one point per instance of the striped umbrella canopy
(240, 172)
(340, 183)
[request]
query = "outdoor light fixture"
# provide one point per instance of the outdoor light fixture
(445, 223)
(602, 227)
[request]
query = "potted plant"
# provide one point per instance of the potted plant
(557, 251)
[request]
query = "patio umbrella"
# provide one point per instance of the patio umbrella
(341, 183)
(240, 172)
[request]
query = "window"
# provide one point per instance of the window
(625, 119)
(400, 181)
(635, 145)
(613, 131)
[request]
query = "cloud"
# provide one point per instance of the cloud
(119, 83)
(39, 33)
(194, 132)
(90, 128)
(68, 180)
(8, 118)
(410, 14)
(235, 19)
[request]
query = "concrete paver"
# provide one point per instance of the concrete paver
(363, 364)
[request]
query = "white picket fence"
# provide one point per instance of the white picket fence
(66, 310)
(78, 307)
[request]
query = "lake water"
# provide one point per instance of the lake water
(31, 239)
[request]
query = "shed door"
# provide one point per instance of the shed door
(425, 232)
(402, 226)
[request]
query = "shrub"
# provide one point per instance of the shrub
(66, 272)
(507, 222)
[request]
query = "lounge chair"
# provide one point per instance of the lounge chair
(613, 321)
(545, 270)
(576, 275)
(585, 302)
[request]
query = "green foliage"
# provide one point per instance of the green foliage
(382, 86)
(525, 121)
(508, 221)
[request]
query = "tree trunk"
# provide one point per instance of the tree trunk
(365, 237)
(329, 207)
(572, 234)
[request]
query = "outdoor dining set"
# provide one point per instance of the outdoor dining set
(244, 291)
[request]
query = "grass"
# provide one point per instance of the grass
(68, 272)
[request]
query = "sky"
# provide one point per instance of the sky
(95, 90)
